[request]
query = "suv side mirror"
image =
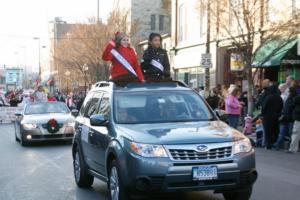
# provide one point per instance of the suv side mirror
(98, 120)
(74, 112)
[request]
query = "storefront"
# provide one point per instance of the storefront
(277, 60)
(193, 76)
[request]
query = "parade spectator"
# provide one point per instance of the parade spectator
(265, 92)
(284, 90)
(59, 97)
(289, 81)
(51, 98)
(40, 95)
(294, 146)
(202, 91)
(155, 62)
(70, 101)
(286, 119)
(271, 111)
(213, 99)
(125, 66)
(13, 100)
(26, 99)
(233, 107)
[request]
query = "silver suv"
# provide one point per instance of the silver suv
(152, 137)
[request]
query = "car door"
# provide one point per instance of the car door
(100, 137)
(88, 108)
(88, 131)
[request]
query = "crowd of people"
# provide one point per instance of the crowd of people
(277, 111)
(14, 98)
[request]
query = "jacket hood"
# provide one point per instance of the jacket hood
(273, 90)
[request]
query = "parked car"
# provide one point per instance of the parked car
(159, 137)
(44, 121)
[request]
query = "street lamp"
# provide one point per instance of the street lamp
(67, 73)
(85, 68)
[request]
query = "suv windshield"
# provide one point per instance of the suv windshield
(160, 107)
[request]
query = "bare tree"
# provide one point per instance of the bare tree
(84, 44)
(249, 25)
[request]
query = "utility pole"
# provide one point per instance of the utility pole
(40, 70)
(97, 41)
(207, 70)
(98, 11)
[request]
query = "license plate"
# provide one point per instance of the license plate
(205, 173)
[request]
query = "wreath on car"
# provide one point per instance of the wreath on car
(52, 126)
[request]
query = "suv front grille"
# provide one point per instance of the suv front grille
(216, 153)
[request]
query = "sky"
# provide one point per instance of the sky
(22, 20)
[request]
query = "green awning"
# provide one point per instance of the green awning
(272, 53)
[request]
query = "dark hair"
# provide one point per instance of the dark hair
(152, 36)
(292, 92)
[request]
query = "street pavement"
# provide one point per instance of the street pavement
(44, 172)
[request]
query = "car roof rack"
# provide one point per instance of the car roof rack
(103, 84)
(161, 83)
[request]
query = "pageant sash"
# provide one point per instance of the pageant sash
(123, 61)
(157, 64)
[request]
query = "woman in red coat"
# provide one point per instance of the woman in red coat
(125, 66)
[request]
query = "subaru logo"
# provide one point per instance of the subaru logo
(202, 148)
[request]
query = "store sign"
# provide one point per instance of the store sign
(236, 62)
(206, 60)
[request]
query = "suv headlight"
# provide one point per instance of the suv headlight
(242, 146)
(29, 126)
(148, 150)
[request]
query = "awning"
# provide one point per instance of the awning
(272, 53)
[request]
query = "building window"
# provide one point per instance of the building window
(182, 23)
(152, 23)
(161, 22)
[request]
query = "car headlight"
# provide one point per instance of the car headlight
(148, 150)
(242, 146)
(29, 126)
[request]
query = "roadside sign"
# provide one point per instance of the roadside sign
(206, 60)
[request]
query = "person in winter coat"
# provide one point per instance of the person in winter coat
(294, 146)
(155, 62)
(264, 93)
(271, 111)
(125, 66)
(59, 97)
(233, 107)
(286, 119)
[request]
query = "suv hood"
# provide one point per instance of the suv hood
(183, 133)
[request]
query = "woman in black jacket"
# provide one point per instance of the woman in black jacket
(155, 62)
(271, 112)
(286, 119)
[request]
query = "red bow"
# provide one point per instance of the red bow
(52, 122)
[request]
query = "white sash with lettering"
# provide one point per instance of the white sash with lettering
(157, 64)
(123, 61)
